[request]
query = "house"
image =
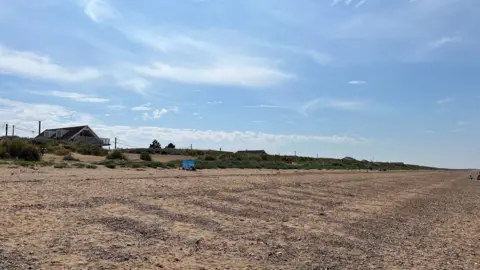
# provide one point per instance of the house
(82, 134)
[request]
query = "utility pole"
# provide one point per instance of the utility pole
(191, 146)
(6, 130)
(115, 142)
(13, 130)
(39, 127)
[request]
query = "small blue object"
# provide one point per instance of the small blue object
(188, 164)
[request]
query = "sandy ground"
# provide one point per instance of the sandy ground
(133, 157)
(237, 219)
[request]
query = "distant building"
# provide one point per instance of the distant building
(82, 134)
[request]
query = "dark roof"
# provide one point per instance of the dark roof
(71, 131)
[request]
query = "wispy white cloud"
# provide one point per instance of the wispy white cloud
(72, 96)
(144, 107)
(334, 2)
(358, 4)
(462, 123)
(197, 115)
(443, 41)
(116, 107)
(444, 101)
(150, 113)
(99, 10)
(361, 3)
(357, 82)
(266, 106)
(244, 75)
(347, 105)
(457, 130)
(138, 85)
(12, 111)
(216, 102)
(31, 65)
(320, 58)
(193, 60)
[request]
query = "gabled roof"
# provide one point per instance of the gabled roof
(70, 132)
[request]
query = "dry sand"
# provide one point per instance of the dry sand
(237, 219)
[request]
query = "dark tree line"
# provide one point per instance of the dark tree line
(156, 145)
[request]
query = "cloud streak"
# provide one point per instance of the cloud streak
(72, 96)
(443, 41)
(344, 105)
(444, 101)
(357, 82)
(244, 75)
(31, 65)
(264, 106)
(144, 107)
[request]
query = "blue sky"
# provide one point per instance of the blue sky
(384, 80)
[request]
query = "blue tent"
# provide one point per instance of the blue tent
(188, 164)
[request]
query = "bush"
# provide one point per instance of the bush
(145, 156)
(210, 158)
(79, 165)
(91, 166)
(173, 164)
(61, 166)
(30, 153)
(111, 165)
(156, 164)
(69, 157)
(25, 163)
(62, 152)
(20, 149)
(46, 164)
(90, 150)
(116, 154)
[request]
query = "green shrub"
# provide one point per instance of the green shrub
(62, 152)
(111, 165)
(25, 163)
(79, 165)
(91, 166)
(137, 165)
(90, 150)
(30, 153)
(173, 164)
(156, 164)
(61, 166)
(69, 157)
(45, 164)
(20, 149)
(210, 158)
(145, 156)
(116, 154)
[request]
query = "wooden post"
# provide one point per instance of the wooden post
(13, 130)
(39, 127)
(6, 130)
(115, 142)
